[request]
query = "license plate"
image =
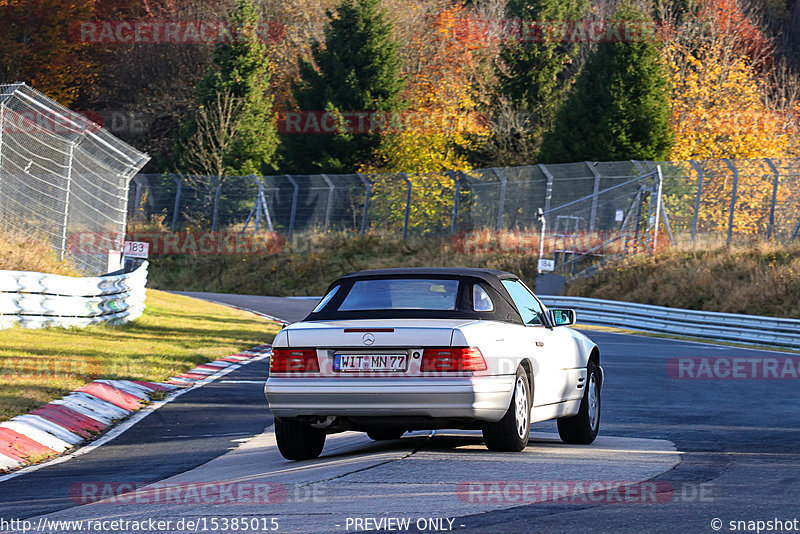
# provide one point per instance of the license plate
(370, 362)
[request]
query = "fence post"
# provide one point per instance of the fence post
(595, 196)
(502, 204)
(667, 224)
(264, 205)
(138, 197)
(775, 181)
(542, 237)
(700, 175)
(293, 213)
(368, 190)
(659, 189)
(640, 197)
(217, 193)
(259, 196)
(66, 200)
(2, 127)
(252, 212)
(664, 213)
(408, 205)
(732, 208)
(548, 195)
(329, 205)
(259, 206)
(177, 207)
(457, 180)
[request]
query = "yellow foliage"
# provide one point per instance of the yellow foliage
(431, 201)
(441, 127)
(440, 94)
(719, 110)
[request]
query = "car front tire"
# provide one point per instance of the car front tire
(511, 433)
(298, 441)
(582, 428)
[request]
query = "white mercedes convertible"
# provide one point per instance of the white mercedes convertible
(394, 350)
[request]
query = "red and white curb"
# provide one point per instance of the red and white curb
(66, 423)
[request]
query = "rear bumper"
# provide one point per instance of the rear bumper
(484, 398)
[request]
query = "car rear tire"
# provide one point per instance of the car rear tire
(582, 428)
(510, 434)
(298, 441)
(385, 434)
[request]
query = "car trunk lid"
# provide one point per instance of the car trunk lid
(374, 333)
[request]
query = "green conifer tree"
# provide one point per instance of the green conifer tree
(357, 70)
(619, 109)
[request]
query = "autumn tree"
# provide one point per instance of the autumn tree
(147, 88)
(37, 46)
(356, 70)
(722, 107)
(619, 109)
(442, 116)
(718, 95)
(439, 129)
(303, 23)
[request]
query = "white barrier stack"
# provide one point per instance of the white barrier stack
(38, 300)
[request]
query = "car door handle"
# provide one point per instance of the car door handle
(540, 343)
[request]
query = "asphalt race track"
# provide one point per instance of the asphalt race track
(696, 450)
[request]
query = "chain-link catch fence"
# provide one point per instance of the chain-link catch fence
(61, 176)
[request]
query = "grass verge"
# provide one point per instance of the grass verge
(175, 334)
(20, 252)
(760, 279)
(307, 266)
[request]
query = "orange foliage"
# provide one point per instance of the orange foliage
(720, 109)
(440, 91)
(728, 24)
(35, 47)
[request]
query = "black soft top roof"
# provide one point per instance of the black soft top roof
(485, 274)
(504, 309)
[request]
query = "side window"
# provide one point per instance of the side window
(326, 299)
(529, 308)
(481, 302)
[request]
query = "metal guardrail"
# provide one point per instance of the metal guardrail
(720, 326)
(38, 300)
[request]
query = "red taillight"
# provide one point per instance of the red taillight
(453, 359)
(293, 361)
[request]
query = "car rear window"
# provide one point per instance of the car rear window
(401, 294)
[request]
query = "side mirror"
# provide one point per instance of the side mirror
(562, 317)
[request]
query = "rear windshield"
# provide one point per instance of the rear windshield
(401, 294)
